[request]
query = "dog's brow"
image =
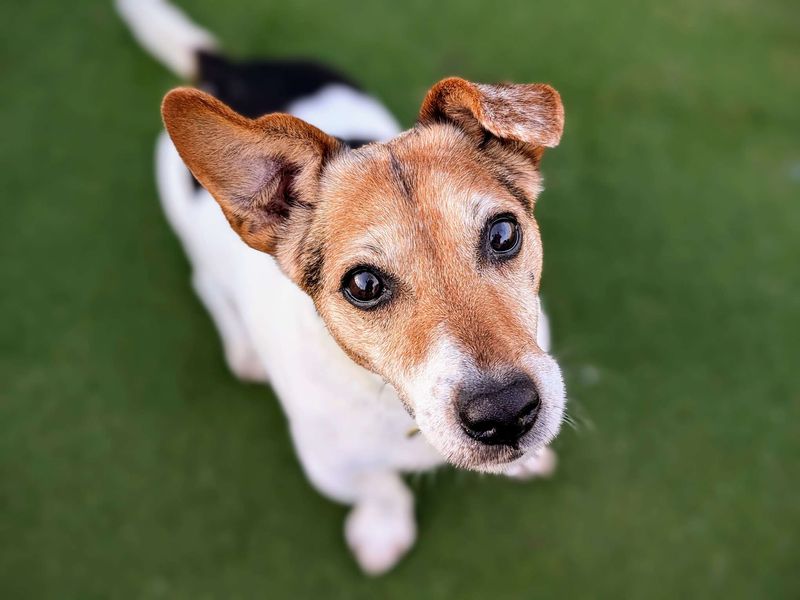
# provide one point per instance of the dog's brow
(508, 183)
(475, 204)
(375, 250)
(483, 206)
(377, 240)
(401, 176)
(368, 253)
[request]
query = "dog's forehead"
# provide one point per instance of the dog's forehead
(429, 184)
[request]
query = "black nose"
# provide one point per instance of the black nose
(499, 413)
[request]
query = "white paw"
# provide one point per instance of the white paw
(244, 363)
(379, 534)
(540, 464)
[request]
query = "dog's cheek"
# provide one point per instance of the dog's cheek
(360, 334)
(348, 341)
(390, 340)
(524, 299)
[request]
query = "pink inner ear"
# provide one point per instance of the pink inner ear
(255, 178)
(262, 190)
(258, 171)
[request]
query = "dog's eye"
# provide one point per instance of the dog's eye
(504, 236)
(363, 288)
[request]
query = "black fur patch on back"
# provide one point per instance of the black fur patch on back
(354, 143)
(259, 87)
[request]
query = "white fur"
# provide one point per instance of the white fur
(351, 431)
(167, 33)
(346, 113)
(536, 464)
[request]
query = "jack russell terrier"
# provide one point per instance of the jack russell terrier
(382, 282)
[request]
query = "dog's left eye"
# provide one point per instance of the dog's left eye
(363, 288)
(503, 237)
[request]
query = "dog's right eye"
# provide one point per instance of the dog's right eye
(502, 238)
(363, 288)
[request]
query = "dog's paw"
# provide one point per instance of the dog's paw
(244, 363)
(541, 464)
(379, 534)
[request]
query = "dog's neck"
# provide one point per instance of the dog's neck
(336, 360)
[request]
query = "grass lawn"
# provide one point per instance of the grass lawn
(133, 465)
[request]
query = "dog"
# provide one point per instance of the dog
(384, 282)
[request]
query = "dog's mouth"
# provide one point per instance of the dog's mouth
(483, 420)
(507, 457)
(500, 455)
(486, 459)
(463, 450)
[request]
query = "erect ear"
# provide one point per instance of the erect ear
(531, 114)
(264, 173)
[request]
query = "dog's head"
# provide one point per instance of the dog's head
(421, 254)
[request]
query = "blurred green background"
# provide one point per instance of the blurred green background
(133, 465)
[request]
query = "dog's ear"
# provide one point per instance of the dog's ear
(264, 173)
(528, 114)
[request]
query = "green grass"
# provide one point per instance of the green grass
(133, 465)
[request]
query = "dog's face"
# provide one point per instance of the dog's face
(421, 254)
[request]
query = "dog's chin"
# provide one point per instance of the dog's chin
(465, 453)
(494, 464)
(500, 466)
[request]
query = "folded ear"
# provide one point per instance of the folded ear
(264, 173)
(528, 113)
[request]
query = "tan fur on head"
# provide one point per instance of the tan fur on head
(414, 209)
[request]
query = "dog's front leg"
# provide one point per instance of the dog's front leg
(240, 353)
(381, 527)
(537, 464)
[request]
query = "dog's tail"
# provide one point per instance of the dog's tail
(167, 33)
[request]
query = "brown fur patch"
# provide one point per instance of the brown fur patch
(528, 113)
(414, 208)
(263, 172)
